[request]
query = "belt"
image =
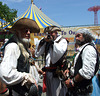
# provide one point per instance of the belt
(81, 91)
(50, 69)
(87, 89)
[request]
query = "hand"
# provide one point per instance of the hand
(66, 73)
(69, 83)
(41, 72)
(28, 79)
(44, 73)
(33, 62)
(48, 40)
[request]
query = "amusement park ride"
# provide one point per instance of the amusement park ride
(33, 12)
(95, 9)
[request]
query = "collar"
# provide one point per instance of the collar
(80, 48)
(58, 37)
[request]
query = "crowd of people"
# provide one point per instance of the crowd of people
(20, 74)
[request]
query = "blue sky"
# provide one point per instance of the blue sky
(63, 12)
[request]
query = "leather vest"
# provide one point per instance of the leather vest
(22, 66)
(78, 66)
(62, 60)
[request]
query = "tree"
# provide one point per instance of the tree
(7, 14)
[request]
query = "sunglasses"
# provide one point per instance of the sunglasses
(26, 30)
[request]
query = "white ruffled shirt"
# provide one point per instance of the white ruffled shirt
(8, 67)
(89, 57)
(55, 53)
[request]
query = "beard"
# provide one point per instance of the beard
(80, 43)
(54, 37)
(26, 41)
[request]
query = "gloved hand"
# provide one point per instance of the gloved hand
(28, 80)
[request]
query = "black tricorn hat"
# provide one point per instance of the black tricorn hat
(25, 23)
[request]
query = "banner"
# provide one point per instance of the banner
(69, 33)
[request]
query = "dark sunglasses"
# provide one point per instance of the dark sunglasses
(28, 30)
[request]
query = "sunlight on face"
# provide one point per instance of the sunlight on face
(24, 35)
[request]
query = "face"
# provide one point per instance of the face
(53, 34)
(25, 35)
(79, 39)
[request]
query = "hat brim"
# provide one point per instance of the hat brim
(51, 29)
(25, 23)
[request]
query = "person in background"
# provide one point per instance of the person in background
(15, 66)
(32, 50)
(33, 69)
(96, 84)
(54, 46)
(6, 40)
(4, 91)
(34, 64)
(86, 64)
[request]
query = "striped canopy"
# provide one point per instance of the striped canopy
(36, 14)
(2, 22)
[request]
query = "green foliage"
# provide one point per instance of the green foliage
(7, 14)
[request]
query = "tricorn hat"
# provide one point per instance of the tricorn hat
(51, 29)
(25, 23)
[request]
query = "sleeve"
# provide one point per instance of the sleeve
(34, 73)
(58, 50)
(8, 70)
(89, 56)
(41, 49)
